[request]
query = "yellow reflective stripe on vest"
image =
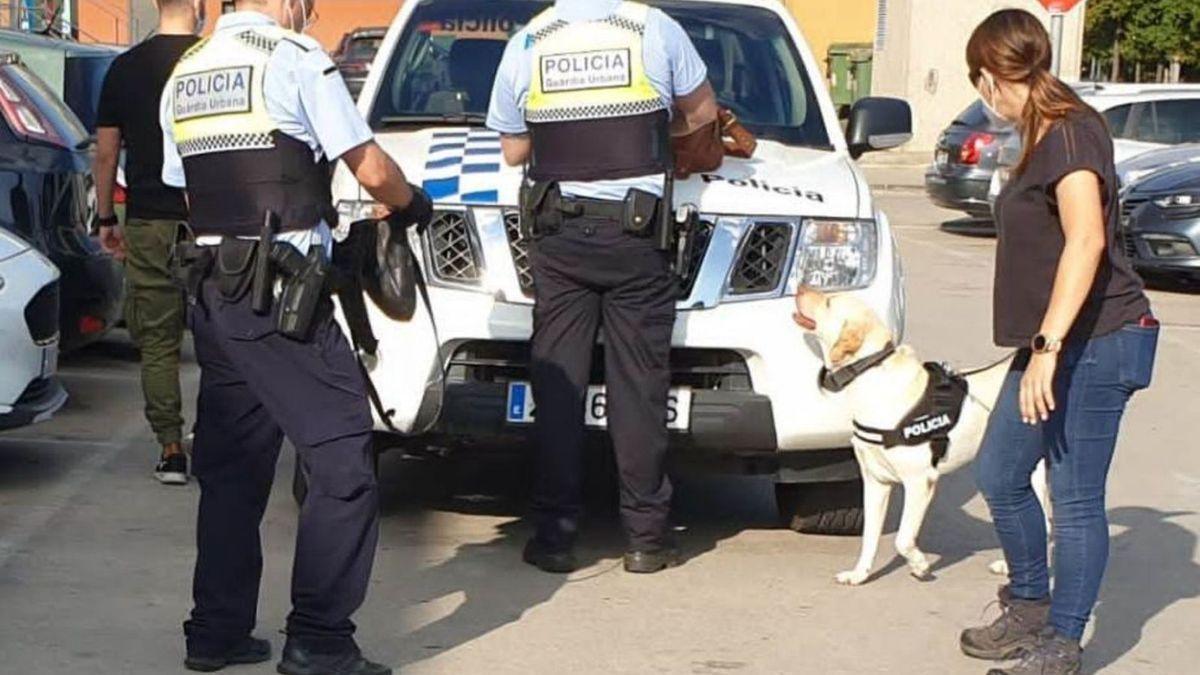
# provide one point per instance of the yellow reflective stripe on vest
(217, 89)
(590, 69)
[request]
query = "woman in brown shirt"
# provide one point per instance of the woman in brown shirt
(1067, 298)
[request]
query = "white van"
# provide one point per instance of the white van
(800, 212)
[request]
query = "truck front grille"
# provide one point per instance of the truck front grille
(519, 246)
(41, 314)
(702, 369)
(762, 259)
(454, 249)
(702, 235)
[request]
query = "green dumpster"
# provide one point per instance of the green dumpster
(849, 72)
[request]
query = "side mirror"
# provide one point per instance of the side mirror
(878, 123)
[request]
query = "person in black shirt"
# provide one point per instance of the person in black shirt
(1068, 299)
(154, 306)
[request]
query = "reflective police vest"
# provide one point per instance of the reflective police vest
(237, 163)
(592, 112)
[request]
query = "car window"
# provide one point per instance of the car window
(446, 60)
(973, 116)
(364, 48)
(1169, 122)
(1117, 119)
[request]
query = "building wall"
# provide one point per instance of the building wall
(826, 22)
(105, 21)
(922, 58)
(337, 17)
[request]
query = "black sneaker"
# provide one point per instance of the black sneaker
(297, 660)
(250, 650)
(172, 469)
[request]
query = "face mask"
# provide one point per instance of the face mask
(997, 120)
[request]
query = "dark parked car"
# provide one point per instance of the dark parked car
(964, 160)
(48, 199)
(1160, 222)
(74, 72)
(355, 55)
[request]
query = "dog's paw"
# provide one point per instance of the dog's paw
(999, 568)
(920, 571)
(853, 577)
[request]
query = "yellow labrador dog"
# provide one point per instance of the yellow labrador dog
(883, 385)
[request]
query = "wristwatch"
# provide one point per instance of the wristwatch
(110, 221)
(1044, 344)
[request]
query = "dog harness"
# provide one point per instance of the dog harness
(931, 420)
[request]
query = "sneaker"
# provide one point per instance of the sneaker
(172, 469)
(1054, 654)
(1017, 629)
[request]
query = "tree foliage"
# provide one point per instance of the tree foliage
(1149, 32)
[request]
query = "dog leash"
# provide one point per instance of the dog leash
(976, 371)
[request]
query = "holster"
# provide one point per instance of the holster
(640, 213)
(541, 208)
(190, 266)
(306, 285)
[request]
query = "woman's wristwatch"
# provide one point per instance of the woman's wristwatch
(109, 221)
(1044, 344)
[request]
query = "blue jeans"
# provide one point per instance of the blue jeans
(1092, 385)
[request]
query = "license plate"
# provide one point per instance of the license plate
(941, 157)
(522, 409)
(49, 360)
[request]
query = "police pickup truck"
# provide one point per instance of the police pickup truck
(744, 376)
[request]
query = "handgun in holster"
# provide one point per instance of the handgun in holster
(541, 208)
(305, 289)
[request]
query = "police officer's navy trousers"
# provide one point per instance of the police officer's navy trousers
(590, 275)
(256, 387)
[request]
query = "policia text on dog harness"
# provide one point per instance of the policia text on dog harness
(238, 163)
(593, 114)
(930, 421)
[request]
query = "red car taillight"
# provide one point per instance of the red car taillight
(23, 116)
(972, 148)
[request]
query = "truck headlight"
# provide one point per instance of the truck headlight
(1182, 205)
(835, 255)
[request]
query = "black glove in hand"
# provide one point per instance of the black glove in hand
(419, 211)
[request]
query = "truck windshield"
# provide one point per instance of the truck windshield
(443, 68)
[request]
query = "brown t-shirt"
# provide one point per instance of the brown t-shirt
(1031, 239)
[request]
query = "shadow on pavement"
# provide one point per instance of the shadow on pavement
(483, 585)
(1151, 567)
(970, 227)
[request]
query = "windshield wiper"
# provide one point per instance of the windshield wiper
(441, 118)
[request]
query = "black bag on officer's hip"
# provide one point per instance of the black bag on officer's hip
(235, 268)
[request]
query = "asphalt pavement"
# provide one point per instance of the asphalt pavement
(95, 556)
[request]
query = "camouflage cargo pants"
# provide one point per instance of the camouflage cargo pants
(154, 312)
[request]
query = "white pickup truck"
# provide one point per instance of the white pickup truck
(799, 212)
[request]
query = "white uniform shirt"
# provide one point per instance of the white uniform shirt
(306, 97)
(673, 66)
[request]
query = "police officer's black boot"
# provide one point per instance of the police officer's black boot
(248, 651)
(547, 559)
(301, 660)
(653, 560)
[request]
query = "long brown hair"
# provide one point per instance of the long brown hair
(1013, 46)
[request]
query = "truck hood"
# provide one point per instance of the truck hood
(464, 166)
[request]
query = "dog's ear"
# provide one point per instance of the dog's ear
(849, 341)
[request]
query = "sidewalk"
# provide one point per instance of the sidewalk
(896, 171)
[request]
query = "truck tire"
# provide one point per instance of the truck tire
(821, 508)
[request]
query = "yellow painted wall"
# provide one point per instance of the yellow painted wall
(825, 22)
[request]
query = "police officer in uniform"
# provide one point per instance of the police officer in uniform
(587, 96)
(252, 118)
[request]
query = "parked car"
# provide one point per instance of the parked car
(1134, 169)
(1160, 222)
(800, 212)
(965, 157)
(47, 197)
(1146, 117)
(355, 55)
(29, 390)
(74, 72)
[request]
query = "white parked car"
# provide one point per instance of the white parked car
(1146, 117)
(800, 212)
(29, 390)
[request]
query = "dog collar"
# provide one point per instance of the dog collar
(837, 380)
